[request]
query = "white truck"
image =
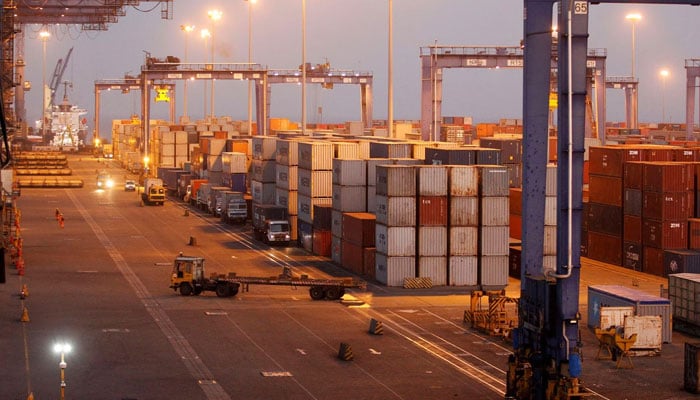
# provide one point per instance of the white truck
(153, 191)
(270, 224)
(235, 207)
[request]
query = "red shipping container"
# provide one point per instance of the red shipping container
(322, 243)
(352, 257)
(432, 210)
(685, 155)
(667, 206)
(586, 171)
(516, 226)
(370, 257)
(516, 201)
(358, 228)
(653, 261)
(632, 229)
(669, 176)
(658, 153)
(694, 233)
(605, 190)
(634, 172)
(609, 160)
(665, 234)
(605, 248)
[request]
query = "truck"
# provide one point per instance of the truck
(104, 180)
(153, 191)
(270, 224)
(217, 201)
(188, 278)
(236, 208)
(193, 189)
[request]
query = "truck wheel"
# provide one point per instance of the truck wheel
(234, 289)
(197, 291)
(223, 290)
(317, 292)
(185, 289)
(333, 293)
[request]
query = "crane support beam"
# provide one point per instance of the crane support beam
(692, 71)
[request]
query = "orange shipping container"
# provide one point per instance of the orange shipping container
(322, 243)
(516, 226)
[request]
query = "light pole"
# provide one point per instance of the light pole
(634, 18)
(62, 349)
(303, 67)
(250, 64)
(664, 74)
(205, 34)
(187, 29)
(390, 88)
(214, 15)
(44, 35)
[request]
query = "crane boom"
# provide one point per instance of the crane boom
(61, 65)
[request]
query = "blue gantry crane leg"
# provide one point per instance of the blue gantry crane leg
(546, 363)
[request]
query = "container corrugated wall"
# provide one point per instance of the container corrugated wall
(350, 198)
(494, 211)
(396, 180)
(550, 185)
(390, 150)
(464, 211)
(494, 240)
(346, 150)
(372, 199)
(336, 250)
(463, 241)
(550, 210)
(392, 271)
(396, 211)
(263, 193)
(434, 268)
(263, 170)
(464, 180)
(432, 180)
(264, 147)
(315, 183)
(287, 152)
(306, 206)
(493, 272)
(493, 180)
(316, 155)
(396, 240)
(550, 240)
(432, 241)
(684, 294)
(372, 169)
(349, 172)
(287, 177)
(463, 270)
(432, 210)
(287, 198)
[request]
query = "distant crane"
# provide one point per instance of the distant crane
(61, 65)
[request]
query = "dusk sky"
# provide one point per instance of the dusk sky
(353, 35)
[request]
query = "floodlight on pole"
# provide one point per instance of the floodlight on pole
(187, 29)
(250, 64)
(44, 36)
(62, 349)
(214, 16)
(664, 75)
(205, 34)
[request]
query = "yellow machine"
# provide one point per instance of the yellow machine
(492, 312)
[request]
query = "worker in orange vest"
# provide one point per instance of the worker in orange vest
(60, 220)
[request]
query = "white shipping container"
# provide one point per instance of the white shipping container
(315, 183)
(392, 271)
(287, 177)
(346, 150)
(287, 198)
(493, 272)
(287, 152)
(464, 180)
(613, 316)
(167, 137)
(495, 211)
(464, 241)
(305, 206)
(396, 180)
(550, 210)
(550, 241)
(549, 264)
(372, 199)
(550, 183)
(648, 329)
(264, 147)
(217, 146)
(316, 155)
(363, 149)
(264, 171)
(434, 268)
(336, 250)
(337, 223)
(396, 211)
(350, 198)
(181, 137)
(395, 240)
(234, 162)
(432, 180)
(494, 240)
(432, 241)
(493, 180)
(167, 149)
(372, 164)
(262, 193)
(349, 172)
(464, 211)
(463, 270)
(214, 163)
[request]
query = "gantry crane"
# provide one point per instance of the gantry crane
(58, 72)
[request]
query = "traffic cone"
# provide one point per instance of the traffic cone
(24, 292)
(25, 315)
(31, 396)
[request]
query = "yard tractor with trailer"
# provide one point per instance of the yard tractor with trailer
(188, 277)
(153, 191)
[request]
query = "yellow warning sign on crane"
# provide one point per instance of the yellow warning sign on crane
(162, 94)
(553, 100)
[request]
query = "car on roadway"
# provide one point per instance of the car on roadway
(129, 185)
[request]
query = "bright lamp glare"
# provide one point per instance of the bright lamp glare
(62, 348)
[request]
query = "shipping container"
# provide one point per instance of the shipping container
(658, 153)
(621, 296)
(463, 180)
(633, 256)
(315, 183)
(550, 240)
(390, 150)
(514, 261)
(632, 203)
(396, 211)
(287, 153)
(632, 229)
(550, 185)
(337, 250)
(372, 169)
(681, 261)
(395, 240)
(264, 147)
(288, 199)
(349, 172)
(464, 211)
(350, 198)
(665, 234)
(353, 258)
(359, 228)
(316, 156)
(392, 271)
(667, 205)
(306, 204)
(463, 270)
(263, 193)
(493, 181)
(463, 241)
(605, 248)
(432, 180)
(511, 148)
(605, 189)
(432, 210)
(609, 160)
(432, 241)
(668, 177)
(634, 175)
(396, 180)
(321, 242)
(653, 260)
(264, 171)
(372, 199)
(604, 218)
(287, 177)
(494, 240)
(337, 223)
(484, 156)
(305, 235)
(434, 268)
(493, 272)
(694, 233)
(322, 217)
(691, 369)
(461, 156)
(515, 201)
(683, 293)
(494, 211)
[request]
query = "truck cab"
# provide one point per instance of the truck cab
(188, 278)
(104, 180)
(277, 232)
(237, 210)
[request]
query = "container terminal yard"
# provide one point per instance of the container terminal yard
(221, 258)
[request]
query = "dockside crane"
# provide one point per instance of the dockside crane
(58, 72)
(547, 363)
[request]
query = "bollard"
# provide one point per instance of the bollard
(345, 352)
(376, 327)
(187, 213)
(193, 241)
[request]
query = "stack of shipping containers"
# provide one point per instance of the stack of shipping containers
(315, 185)
(174, 148)
(287, 180)
(549, 254)
(358, 243)
(511, 155)
(432, 223)
(396, 224)
(212, 147)
(349, 195)
(632, 254)
(493, 227)
(263, 169)
(463, 225)
(234, 170)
